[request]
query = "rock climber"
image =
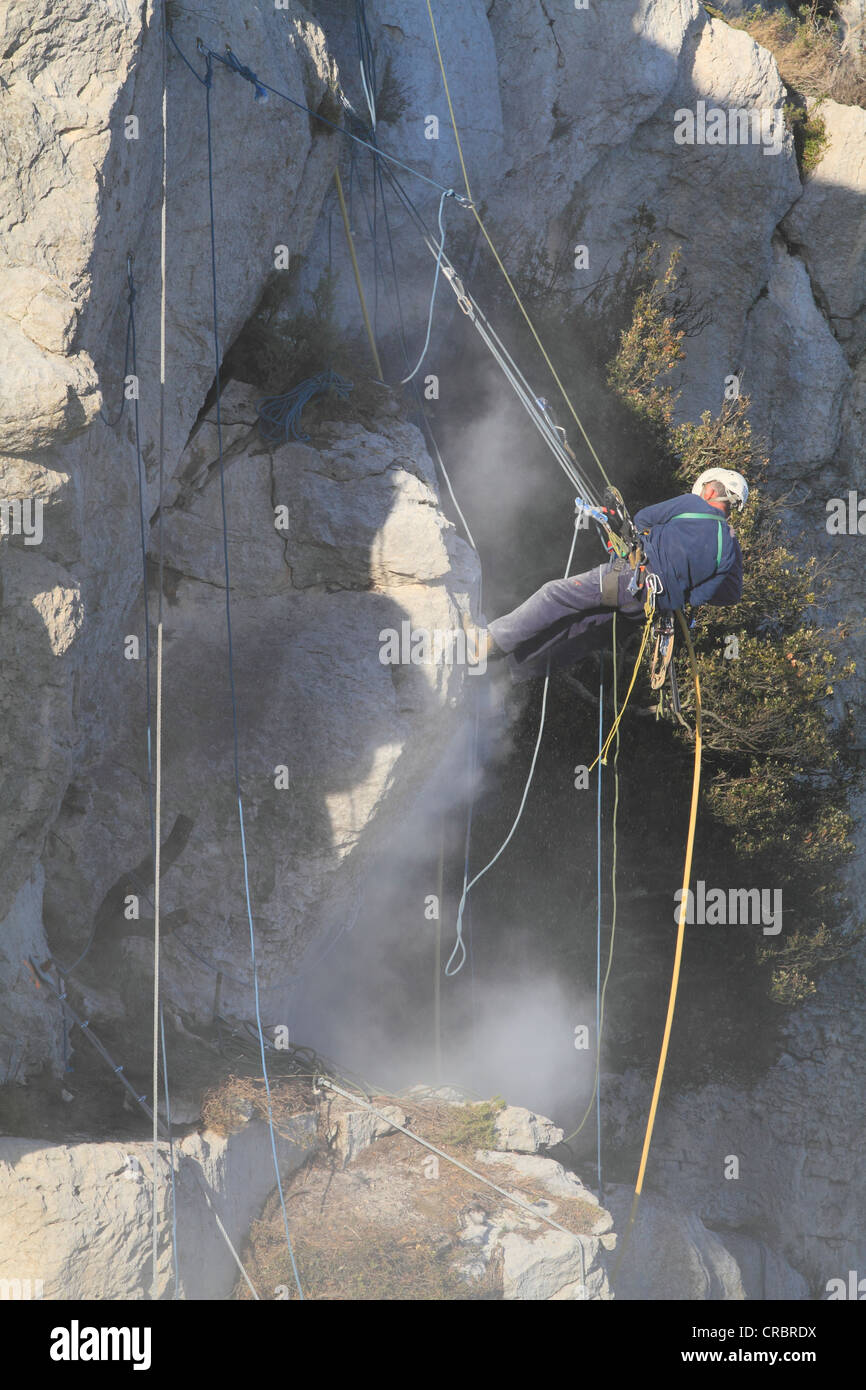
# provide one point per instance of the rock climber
(694, 561)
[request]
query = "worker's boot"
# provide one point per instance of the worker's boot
(480, 646)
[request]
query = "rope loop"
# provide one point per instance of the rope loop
(237, 66)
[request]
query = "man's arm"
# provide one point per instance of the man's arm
(661, 512)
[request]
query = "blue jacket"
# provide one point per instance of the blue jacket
(698, 561)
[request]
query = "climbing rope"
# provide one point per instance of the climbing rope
(678, 951)
(129, 350)
(207, 82)
(598, 899)
(602, 756)
(172, 1187)
(280, 416)
(595, 1097)
(440, 251)
(262, 89)
(366, 59)
(497, 257)
(157, 792)
(534, 405)
(467, 887)
(357, 273)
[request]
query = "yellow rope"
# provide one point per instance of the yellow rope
(678, 954)
(498, 259)
(617, 720)
(367, 324)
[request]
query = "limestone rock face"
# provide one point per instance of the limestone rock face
(797, 1134)
(829, 222)
(367, 560)
(670, 1249)
(76, 1218)
(607, 157)
(30, 1034)
(569, 124)
(80, 188)
(57, 126)
(519, 1130)
(350, 1131)
(567, 120)
(852, 14)
(75, 196)
(798, 409)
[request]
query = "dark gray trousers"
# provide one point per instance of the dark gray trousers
(564, 620)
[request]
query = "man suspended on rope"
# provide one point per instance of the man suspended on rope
(686, 560)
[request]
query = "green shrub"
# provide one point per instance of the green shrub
(775, 803)
(475, 1125)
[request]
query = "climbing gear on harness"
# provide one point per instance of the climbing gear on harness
(734, 485)
(618, 516)
(663, 633)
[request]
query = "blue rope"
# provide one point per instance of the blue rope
(65, 1019)
(235, 66)
(280, 416)
(235, 730)
(598, 932)
(448, 193)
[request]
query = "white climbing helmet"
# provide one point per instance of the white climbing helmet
(734, 485)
